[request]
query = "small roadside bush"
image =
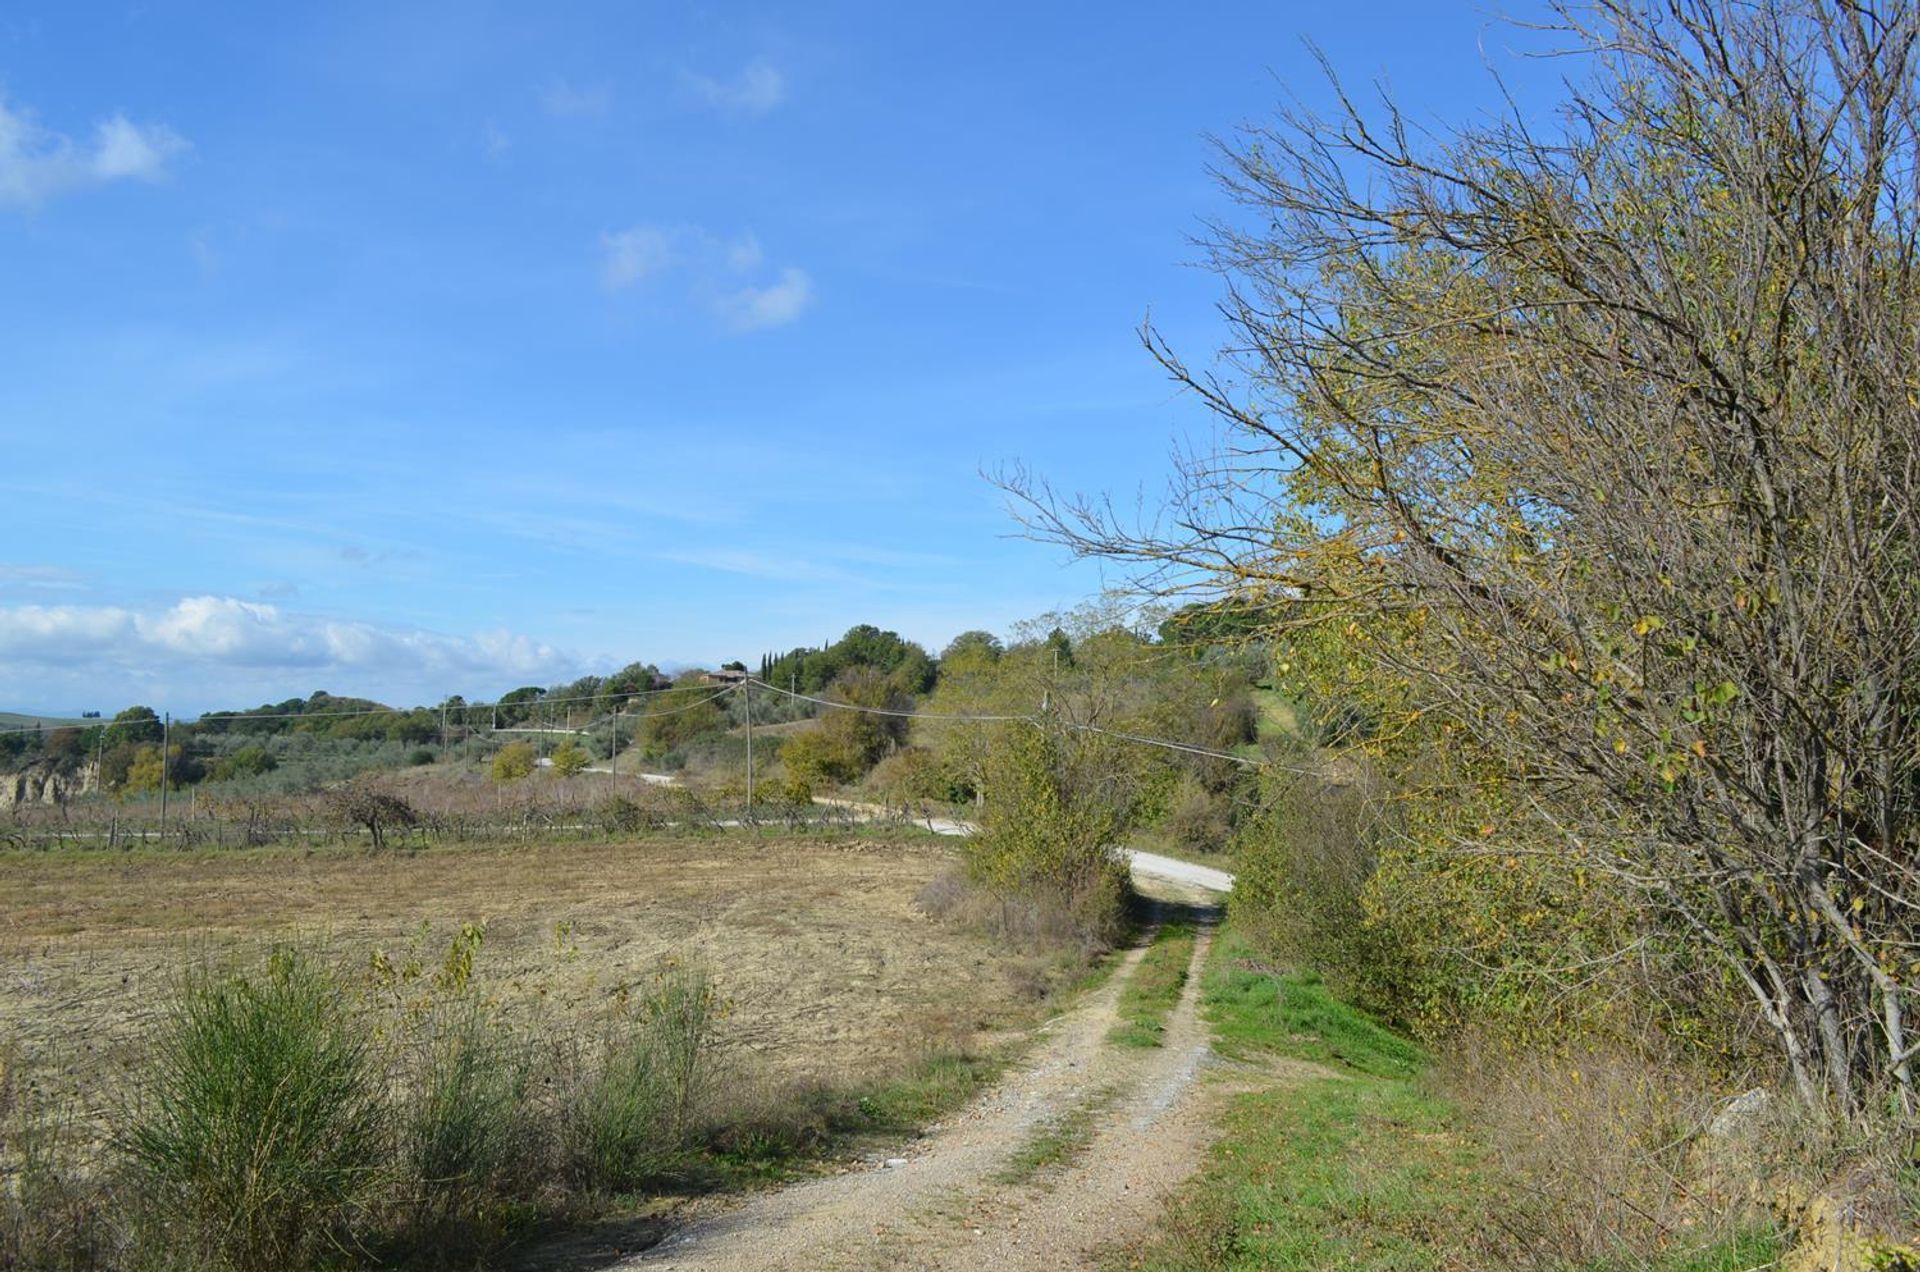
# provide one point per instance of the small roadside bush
(1306, 861)
(630, 1108)
(913, 776)
(469, 1135)
(260, 1130)
(570, 759)
(624, 815)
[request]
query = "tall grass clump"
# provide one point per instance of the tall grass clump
(631, 1104)
(260, 1129)
(470, 1140)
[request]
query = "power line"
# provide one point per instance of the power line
(903, 715)
(1170, 745)
(654, 715)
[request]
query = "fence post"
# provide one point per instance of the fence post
(166, 735)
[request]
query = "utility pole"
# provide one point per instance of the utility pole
(166, 735)
(443, 728)
(746, 687)
(613, 752)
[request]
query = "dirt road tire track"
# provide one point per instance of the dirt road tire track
(947, 1207)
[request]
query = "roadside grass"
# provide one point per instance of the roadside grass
(775, 1134)
(1367, 1167)
(1355, 1172)
(1255, 1010)
(1059, 1140)
(1150, 994)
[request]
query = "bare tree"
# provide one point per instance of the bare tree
(364, 804)
(1602, 442)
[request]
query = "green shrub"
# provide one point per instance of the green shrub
(1306, 863)
(632, 1104)
(1197, 821)
(915, 775)
(623, 815)
(512, 762)
(258, 1132)
(1050, 818)
(470, 1146)
(570, 759)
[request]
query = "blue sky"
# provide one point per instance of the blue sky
(406, 350)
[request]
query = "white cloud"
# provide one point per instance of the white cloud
(632, 256)
(713, 267)
(755, 90)
(563, 100)
(209, 635)
(744, 254)
(775, 305)
(37, 164)
(124, 149)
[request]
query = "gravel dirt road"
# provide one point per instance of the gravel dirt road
(956, 1199)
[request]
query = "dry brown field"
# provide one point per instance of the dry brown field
(830, 968)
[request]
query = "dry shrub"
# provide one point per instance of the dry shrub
(1031, 920)
(1840, 1183)
(1065, 934)
(365, 803)
(767, 1122)
(1598, 1148)
(946, 893)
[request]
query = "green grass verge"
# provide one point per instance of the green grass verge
(1152, 992)
(1366, 1168)
(1350, 1172)
(1294, 1014)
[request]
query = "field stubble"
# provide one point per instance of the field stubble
(828, 968)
